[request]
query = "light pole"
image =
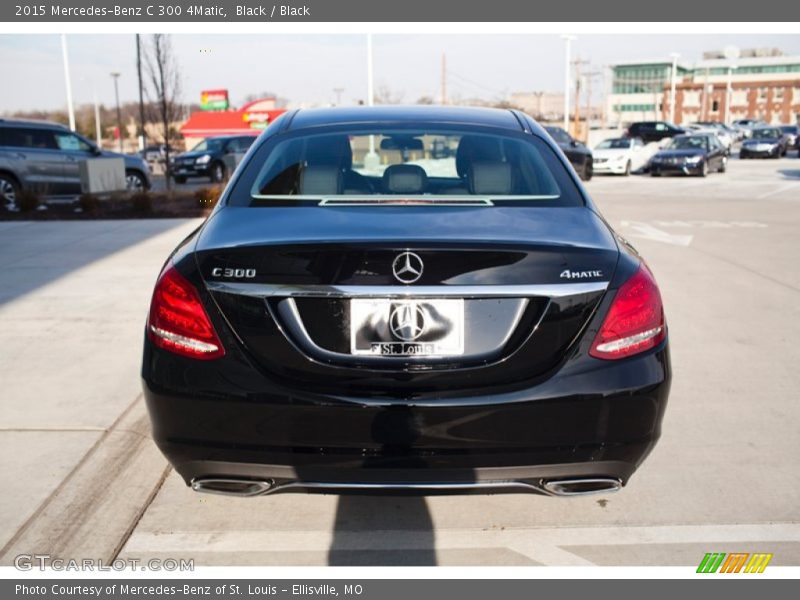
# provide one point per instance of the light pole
(65, 56)
(143, 137)
(567, 41)
(371, 160)
(115, 76)
(731, 53)
(673, 77)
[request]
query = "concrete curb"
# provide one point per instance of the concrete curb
(95, 509)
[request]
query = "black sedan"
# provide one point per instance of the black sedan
(359, 315)
(764, 142)
(578, 154)
(690, 155)
(207, 159)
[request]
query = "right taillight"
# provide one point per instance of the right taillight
(178, 322)
(635, 321)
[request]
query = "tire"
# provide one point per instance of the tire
(655, 174)
(586, 171)
(217, 172)
(628, 168)
(703, 169)
(180, 179)
(724, 165)
(135, 181)
(9, 190)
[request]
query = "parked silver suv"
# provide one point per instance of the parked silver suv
(45, 157)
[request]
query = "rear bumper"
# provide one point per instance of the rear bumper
(592, 419)
(745, 153)
(610, 168)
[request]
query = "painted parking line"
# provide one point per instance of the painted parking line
(547, 546)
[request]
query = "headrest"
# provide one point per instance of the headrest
(320, 181)
(491, 178)
(476, 148)
(330, 150)
(405, 179)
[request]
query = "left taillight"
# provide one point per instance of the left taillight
(178, 322)
(635, 320)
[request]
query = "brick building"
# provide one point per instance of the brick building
(764, 84)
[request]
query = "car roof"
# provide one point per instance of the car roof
(32, 123)
(423, 115)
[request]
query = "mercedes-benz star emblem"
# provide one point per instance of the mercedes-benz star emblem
(407, 321)
(407, 267)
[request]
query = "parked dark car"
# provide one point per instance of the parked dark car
(792, 135)
(207, 159)
(46, 157)
(653, 131)
(764, 142)
(357, 316)
(578, 154)
(690, 155)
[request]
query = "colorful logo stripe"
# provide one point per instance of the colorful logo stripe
(735, 562)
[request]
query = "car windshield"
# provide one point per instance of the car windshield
(616, 143)
(695, 142)
(413, 165)
(767, 132)
(209, 145)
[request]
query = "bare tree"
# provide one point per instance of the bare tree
(163, 89)
(385, 95)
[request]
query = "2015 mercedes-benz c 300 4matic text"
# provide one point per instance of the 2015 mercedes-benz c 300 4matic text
(407, 300)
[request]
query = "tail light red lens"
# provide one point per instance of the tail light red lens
(635, 322)
(178, 322)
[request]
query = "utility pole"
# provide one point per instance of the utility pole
(567, 41)
(577, 116)
(143, 137)
(444, 78)
(115, 76)
(673, 76)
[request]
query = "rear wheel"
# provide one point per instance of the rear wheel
(217, 173)
(135, 181)
(180, 179)
(9, 188)
(586, 171)
(704, 169)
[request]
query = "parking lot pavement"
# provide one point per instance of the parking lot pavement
(724, 476)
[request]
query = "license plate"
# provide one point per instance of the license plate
(385, 327)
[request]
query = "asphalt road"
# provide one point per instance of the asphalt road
(82, 477)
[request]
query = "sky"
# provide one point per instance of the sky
(307, 68)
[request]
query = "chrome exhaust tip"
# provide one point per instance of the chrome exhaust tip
(582, 487)
(232, 487)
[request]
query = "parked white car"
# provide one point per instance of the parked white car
(724, 135)
(621, 156)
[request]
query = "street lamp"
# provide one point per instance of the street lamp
(65, 56)
(731, 53)
(567, 40)
(673, 76)
(115, 76)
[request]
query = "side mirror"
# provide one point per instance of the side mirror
(573, 143)
(96, 151)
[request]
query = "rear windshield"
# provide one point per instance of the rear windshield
(618, 143)
(767, 133)
(689, 143)
(363, 165)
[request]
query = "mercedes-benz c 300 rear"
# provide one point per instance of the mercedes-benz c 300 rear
(405, 299)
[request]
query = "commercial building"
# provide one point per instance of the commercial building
(759, 84)
(250, 119)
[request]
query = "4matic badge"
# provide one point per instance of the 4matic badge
(567, 274)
